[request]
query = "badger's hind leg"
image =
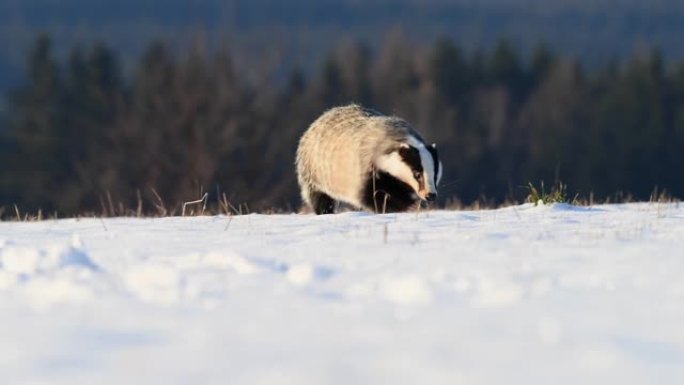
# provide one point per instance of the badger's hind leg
(321, 203)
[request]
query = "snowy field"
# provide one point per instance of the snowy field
(522, 295)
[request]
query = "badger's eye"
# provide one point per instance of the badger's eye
(418, 175)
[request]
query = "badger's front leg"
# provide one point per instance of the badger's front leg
(321, 203)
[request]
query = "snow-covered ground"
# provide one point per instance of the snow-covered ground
(522, 295)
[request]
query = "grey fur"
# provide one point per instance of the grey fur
(337, 152)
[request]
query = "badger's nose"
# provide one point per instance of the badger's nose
(430, 197)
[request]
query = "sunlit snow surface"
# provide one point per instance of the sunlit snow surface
(522, 295)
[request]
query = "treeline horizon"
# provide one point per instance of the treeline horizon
(81, 136)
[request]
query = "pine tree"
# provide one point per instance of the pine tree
(35, 128)
(449, 71)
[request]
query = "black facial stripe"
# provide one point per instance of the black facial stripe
(411, 157)
(435, 159)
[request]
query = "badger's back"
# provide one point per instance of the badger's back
(335, 154)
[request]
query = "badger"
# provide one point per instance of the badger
(368, 160)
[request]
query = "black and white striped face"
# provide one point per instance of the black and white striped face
(415, 164)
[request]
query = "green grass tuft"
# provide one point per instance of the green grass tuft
(557, 194)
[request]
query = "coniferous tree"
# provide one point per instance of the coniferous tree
(93, 100)
(449, 71)
(35, 128)
(505, 67)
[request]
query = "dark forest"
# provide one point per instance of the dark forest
(81, 136)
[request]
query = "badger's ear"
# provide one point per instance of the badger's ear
(404, 148)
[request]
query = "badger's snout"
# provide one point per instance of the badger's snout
(431, 197)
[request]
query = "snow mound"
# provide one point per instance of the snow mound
(47, 276)
(32, 261)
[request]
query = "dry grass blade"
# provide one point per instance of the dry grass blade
(139, 209)
(201, 200)
(230, 219)
(161, 209)
(112, 211)
(226, 206)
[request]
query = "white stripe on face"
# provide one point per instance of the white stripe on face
(395, 166)
(439, 173)
(428, 165)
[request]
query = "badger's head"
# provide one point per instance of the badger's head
(416, 164)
